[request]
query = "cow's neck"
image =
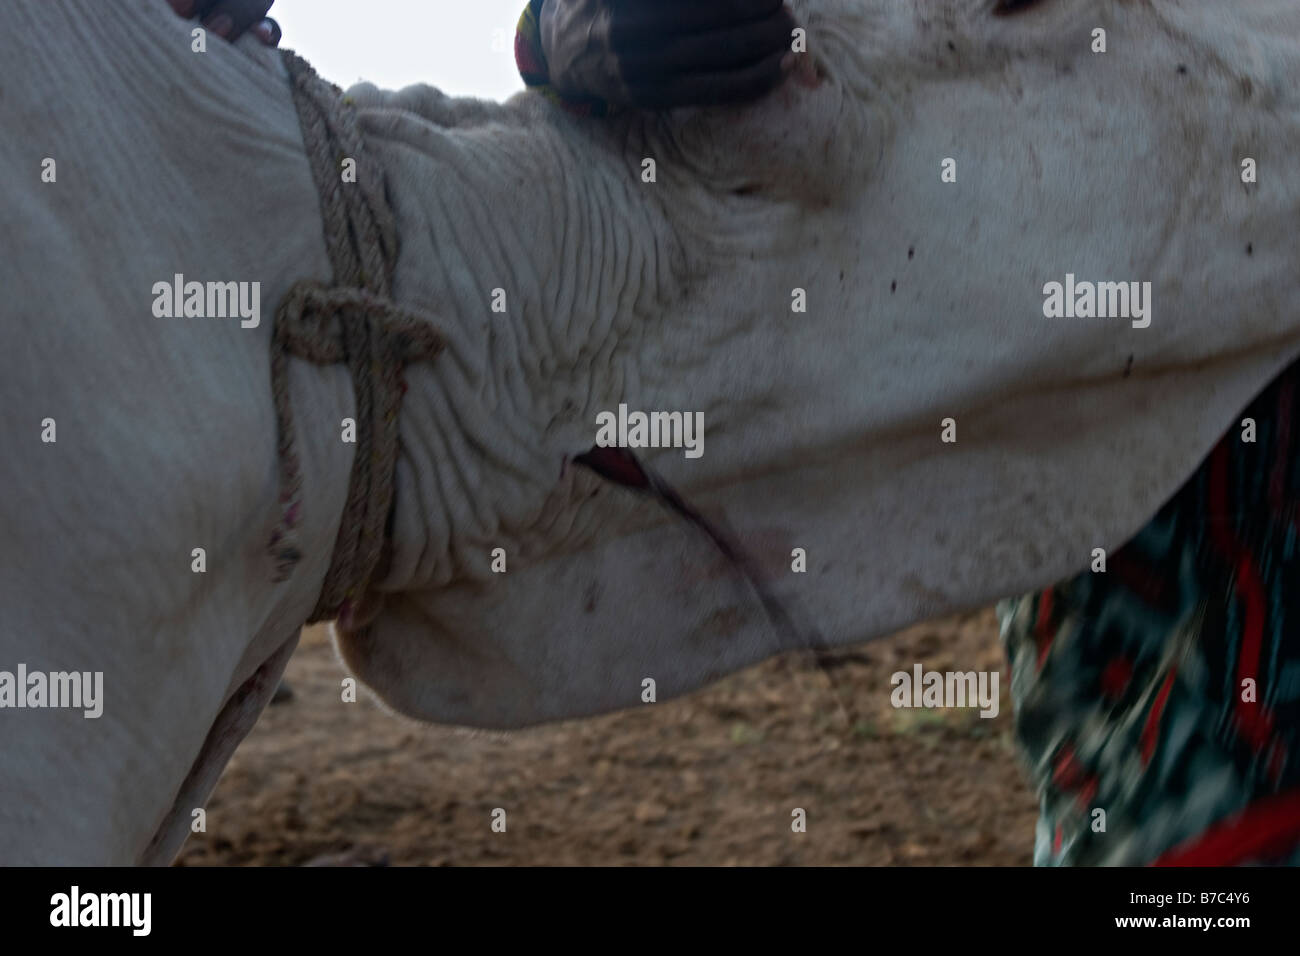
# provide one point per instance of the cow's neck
(519, 231)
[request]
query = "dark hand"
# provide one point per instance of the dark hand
(231, 19)
(657, 54)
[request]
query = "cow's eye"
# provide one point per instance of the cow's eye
(1005, 8)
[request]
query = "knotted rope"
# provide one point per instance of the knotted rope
(354, 321)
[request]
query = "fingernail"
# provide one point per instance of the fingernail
(183, 7)
(221, 25)
(266, 32)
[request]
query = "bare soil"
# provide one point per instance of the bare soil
(709, 779)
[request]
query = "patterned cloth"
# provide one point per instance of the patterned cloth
(1131, 687)
(531, 60)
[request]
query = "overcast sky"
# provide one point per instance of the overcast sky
(463, 47)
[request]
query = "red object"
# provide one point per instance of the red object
(1116, 677)
(1254, 722)
(1043, 626)
(1266, 830)
(615, 464)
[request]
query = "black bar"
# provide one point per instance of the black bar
(654, 907)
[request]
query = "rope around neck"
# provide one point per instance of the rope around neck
(354, 321)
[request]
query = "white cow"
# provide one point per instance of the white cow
(924, 302)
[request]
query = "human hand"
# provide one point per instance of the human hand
(231, 19)
(658, 54)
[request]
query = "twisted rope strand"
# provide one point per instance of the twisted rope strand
(354, 321)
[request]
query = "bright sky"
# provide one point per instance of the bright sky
(463, 47)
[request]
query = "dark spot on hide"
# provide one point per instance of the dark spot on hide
(590, 597)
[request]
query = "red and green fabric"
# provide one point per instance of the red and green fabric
(1131, 687)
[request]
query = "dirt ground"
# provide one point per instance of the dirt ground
(710, 779)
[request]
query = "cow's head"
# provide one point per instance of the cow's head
(939, 162)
